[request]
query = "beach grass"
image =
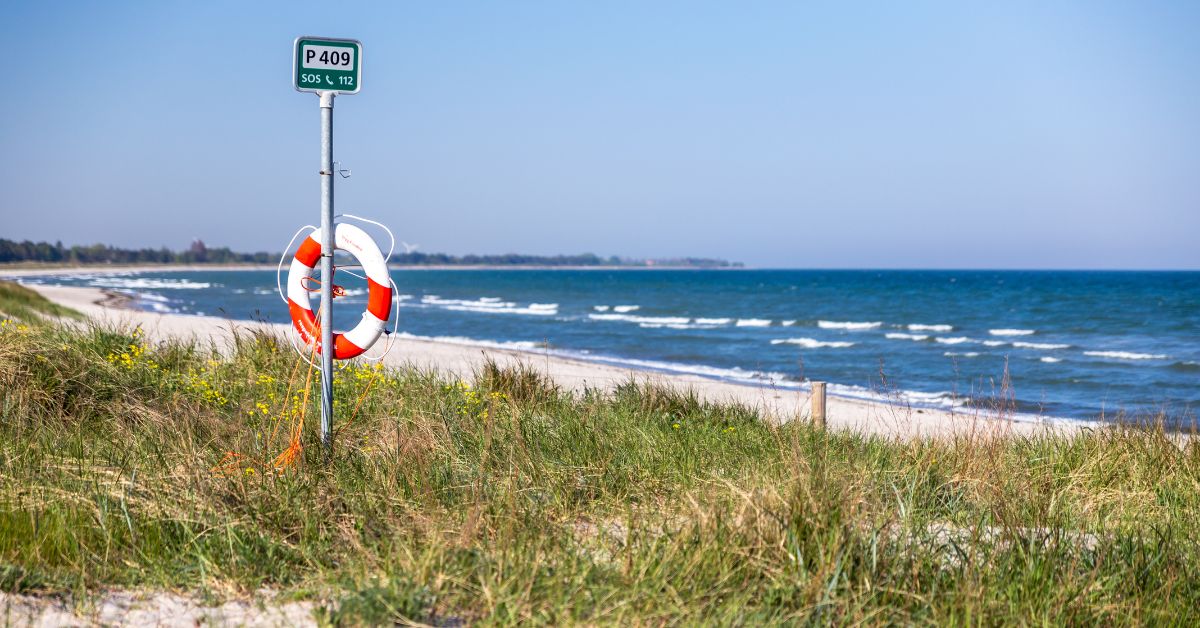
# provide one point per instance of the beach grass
(505, 499)
(22, 304)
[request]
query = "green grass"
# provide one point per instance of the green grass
(19, 302)
(505, 500)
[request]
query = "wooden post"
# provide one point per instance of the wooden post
(818, 404)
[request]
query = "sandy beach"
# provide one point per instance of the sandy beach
(461, 360)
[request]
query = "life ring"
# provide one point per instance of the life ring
(356, 242)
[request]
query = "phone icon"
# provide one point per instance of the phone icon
(329, 80)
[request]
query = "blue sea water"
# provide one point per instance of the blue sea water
(1073, 344)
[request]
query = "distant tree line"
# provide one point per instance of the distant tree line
(198, 253)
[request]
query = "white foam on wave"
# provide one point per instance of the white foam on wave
(699, 323)
(954, 340)
(1039, 345)
(1126, 355)
(520, 345)
(600, 308)
(968, 354)
(147, 296)
(624, 309)
(1050, 359)
(811, 343)
(642, 320)
(753, 322)
(149, 283)
(920, 327)
(488, 302)
(903, 336)
(903, 398)
(851, 326)
(788, 323)
(1011, 332)
(733, 374)
(994, 343)
(490, 305)
(943, 399)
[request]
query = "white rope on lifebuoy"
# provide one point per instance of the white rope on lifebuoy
(357, 243)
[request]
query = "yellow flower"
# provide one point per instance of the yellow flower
(675, 425)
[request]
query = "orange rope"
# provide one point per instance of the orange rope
(289, 456)
(231, 462)
(338, 291)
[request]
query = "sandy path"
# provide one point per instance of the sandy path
(461, 360)
(152, 608)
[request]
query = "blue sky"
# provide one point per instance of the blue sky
(1004, 135)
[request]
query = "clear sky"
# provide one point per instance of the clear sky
(791, 134)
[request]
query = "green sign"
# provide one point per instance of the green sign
(327, 65)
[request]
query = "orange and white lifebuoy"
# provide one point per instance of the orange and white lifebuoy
(356, 242)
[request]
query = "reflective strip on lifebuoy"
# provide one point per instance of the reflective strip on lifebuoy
(356, 242)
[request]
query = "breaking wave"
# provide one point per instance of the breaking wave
(149, 283)
(850, 326)
(1039, 345)
(810, 343)
(903, 336)
(490, 305)
(1126, 355)
(642, 320)
(920, 327)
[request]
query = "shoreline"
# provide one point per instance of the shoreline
(776, 403)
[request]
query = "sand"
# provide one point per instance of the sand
(889, 419)
(152, 608)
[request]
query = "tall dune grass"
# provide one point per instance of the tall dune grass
(506, 499)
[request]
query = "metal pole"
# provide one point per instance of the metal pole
(327, 247)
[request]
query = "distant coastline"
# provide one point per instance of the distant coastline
(22, 269)
(46, 255)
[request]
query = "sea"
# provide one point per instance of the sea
(1039, 344)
